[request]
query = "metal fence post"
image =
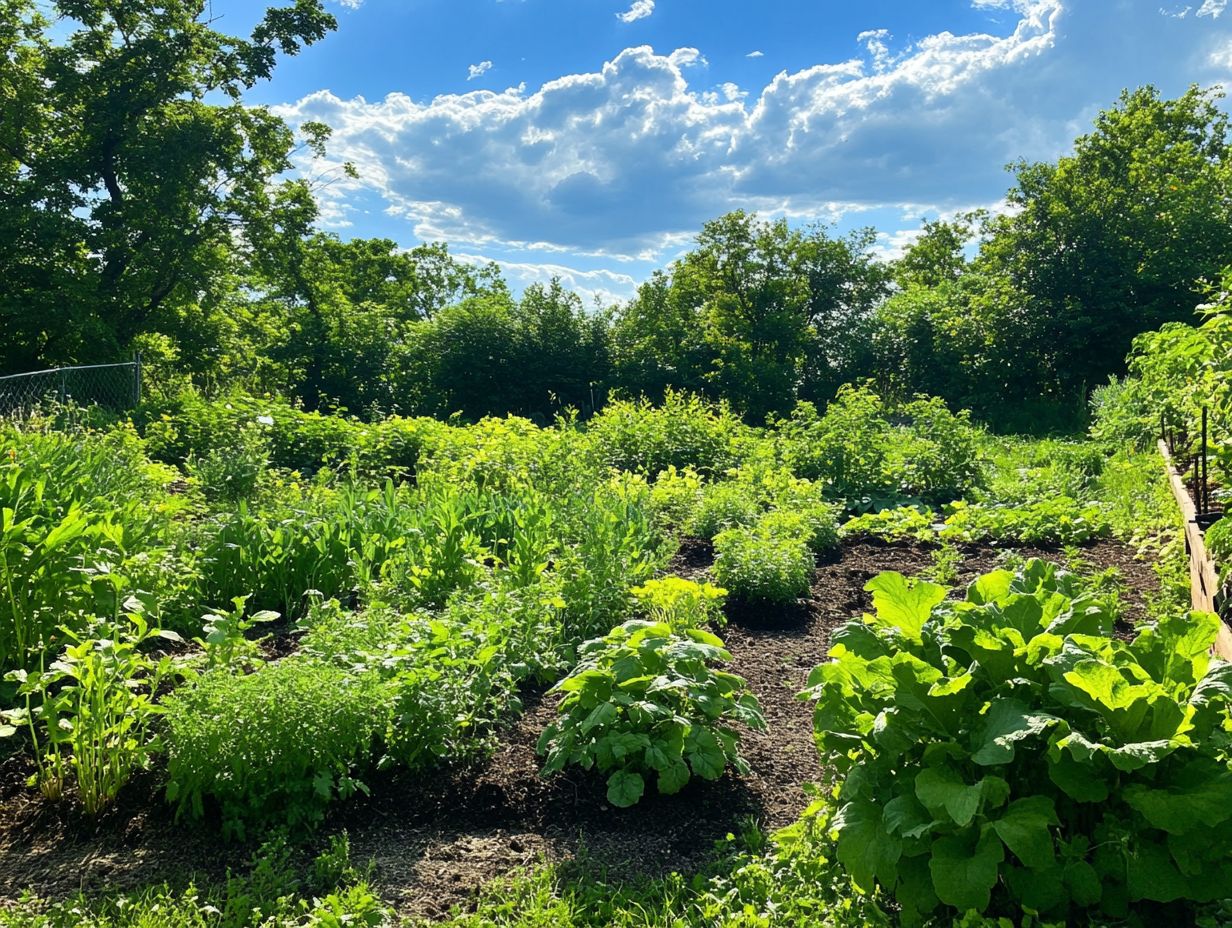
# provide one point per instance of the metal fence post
(137, 379)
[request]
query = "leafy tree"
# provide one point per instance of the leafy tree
(1117, 238)
(938, 256)
(757, 313)
(129, 167)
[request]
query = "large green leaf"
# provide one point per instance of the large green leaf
(865, 848)
(1025, 830)
(903, 604)
(1197, 794)
(1152, 874)
(625, 788)
(1007, 722)
(672, 778)
(964, 869)
(1177, 648)
(944, 794)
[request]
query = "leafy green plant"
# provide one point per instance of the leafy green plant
(770, 562)
(723, 505)
(896, 524)
(683, 431)
(234, 473)
(225, 638)
(681, 603)
(871, 455)
(1045, 521)
(274, 746)
(1006, 753)
(90, 714)
(644, 701)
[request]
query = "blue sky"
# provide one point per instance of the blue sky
(590, 139)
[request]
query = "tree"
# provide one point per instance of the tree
(123, 192)
(938, 256)
(758, 313)
(1118, 238)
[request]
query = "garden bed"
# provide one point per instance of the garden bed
(435, 840)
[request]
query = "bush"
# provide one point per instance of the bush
(771, 562)
(870, 455)
(228, 475)
(644, 701)
(723, 505)
(275, 746)
(684, 431)
(1006, 753)
(675, 496)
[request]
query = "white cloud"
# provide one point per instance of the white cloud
(1213, 8)
(478, 70)
(627, 161)
(757, 54)
(640, 10)
(350, 4)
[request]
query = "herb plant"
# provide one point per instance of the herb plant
(771, 562)
(645, 701)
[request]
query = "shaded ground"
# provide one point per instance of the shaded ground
(435, 840)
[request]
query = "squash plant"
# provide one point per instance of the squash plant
(1006, 753)
(646, 702)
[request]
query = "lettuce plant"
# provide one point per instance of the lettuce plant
(645, 701)
(1006, 753)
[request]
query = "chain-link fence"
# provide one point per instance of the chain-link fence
(112, 386)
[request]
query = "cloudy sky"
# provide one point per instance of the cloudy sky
(590, 139)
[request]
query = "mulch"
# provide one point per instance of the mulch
(435, 840)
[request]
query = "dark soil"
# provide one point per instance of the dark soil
(435, 840)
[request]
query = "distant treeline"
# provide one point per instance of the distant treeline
(137, 216)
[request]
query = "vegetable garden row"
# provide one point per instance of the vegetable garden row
(265, 622)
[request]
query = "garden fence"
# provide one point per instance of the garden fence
(112, 386)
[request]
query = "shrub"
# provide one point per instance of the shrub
(234, 473)
(723, 505)
(611, 546)
(770, 562)
(675, 496)
(684, 431)
(1006, 752)
(644, 701)
(274, 746)
(871, 455)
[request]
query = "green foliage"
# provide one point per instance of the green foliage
(134, 170)
(272, 746)
(683, 431)
(225, 638)
(898, 524)
(868, 454)
(675, 496)
(612, 546)
(729, 504)
(770, 562)
(71, 503)
(681, 603)
(1059, 520)
(229, 475)
(90, 714)
(645, 701)
(1005, 752)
